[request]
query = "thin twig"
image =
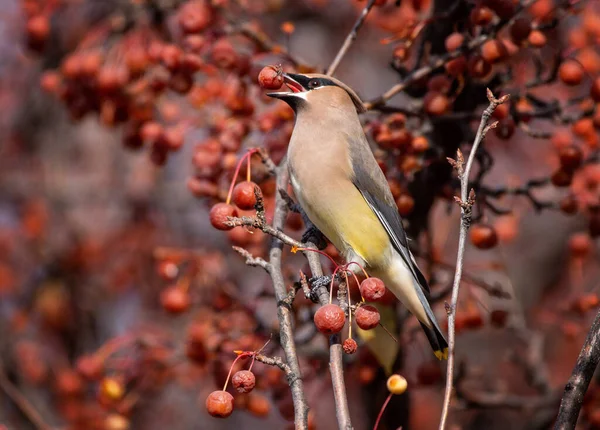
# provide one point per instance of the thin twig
(350, 38)
(22, 403)
(275, 361)
(252, 260)
(466, 202)
(579, 381)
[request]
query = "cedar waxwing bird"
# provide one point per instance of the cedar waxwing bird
(345, 194)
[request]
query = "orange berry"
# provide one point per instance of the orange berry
(243, 381)
(175, 299)
(454, 41)
(493, 51)
(570, 72)
(580, 244)
(397, 384)
(483, 236)
(405, 204)
(219, 404)
(537, 39)
(270, 77)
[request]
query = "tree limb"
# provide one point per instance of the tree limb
(579, 381)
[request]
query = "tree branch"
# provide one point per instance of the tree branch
(577, 385)
(465, 201)
(22, 403)
(350, 38)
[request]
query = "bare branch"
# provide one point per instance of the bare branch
(579, 381)
(252, 260)
(466, 201)
(22, 403)
(350, 38)
(275, 361)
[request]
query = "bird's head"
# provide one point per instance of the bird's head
(317, 90)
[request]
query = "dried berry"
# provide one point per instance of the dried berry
(243, 381)
(349, 346)
(243, 195)
(330, 319)
(219, 214)
(372, 289)
(270, 78)
(219, 404)
(483, 236)
(367, 317)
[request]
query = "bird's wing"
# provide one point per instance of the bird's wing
(372, 184)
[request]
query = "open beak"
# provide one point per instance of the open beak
(292, 81)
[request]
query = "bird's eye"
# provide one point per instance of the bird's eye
(314, 83)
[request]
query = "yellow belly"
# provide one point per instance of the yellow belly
(346, 219)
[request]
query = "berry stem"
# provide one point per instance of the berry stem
(349, 305)
(319, 252)
(361, 268)
(389, 397)
(244, 355)
(248, 173)
(237, 171)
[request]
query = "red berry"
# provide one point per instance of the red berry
(372, 289)
(570, 72)
(38, 30)
(330, 319)
(195, 16)
(483, 236)
(520, 30)
(243, 381)
(91, 367)
(561, 178)
(405, 204)
(493, 51)
(349, 346)
(219, 214)
(270, 78)
(367, 317)
(175, 299)
(454, 41)
(436, 103)
(570, 157)
(569, 205)
(481, 15)
(219, 404)
(580, 244)
(595, 90)
(478, 67)
(243, 195)
(537, 39)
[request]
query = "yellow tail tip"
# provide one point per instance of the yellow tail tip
(441, 355)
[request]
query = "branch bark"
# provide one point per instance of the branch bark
(465, 201)
(579, 381)
(350, 38)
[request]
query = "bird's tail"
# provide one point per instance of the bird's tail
(436, 340)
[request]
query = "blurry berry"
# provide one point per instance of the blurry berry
(194, 16)
(90, 367)
(481, 15)
(429, 373)
(473, 319)
(367, 317)
(258, 405)
(243, 381)
(349, 346)
(420, 144)
(580, 244)
(372, 289)
(561, 178)
(454, 41)
(537, 39)
(243, 195)
(595, 90)
(175, 299)
(270, 78)
(456, 66)
(569, 205)
(483, 236)
(493, 51)
(38, 30)
(219, 214)
(116, 422)
(330, 319)
(478, 67)
(436, 103)
(570, 72)
(570, 157)
(520, 30)
(219, 404)
(397, 384)
(112, 389)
